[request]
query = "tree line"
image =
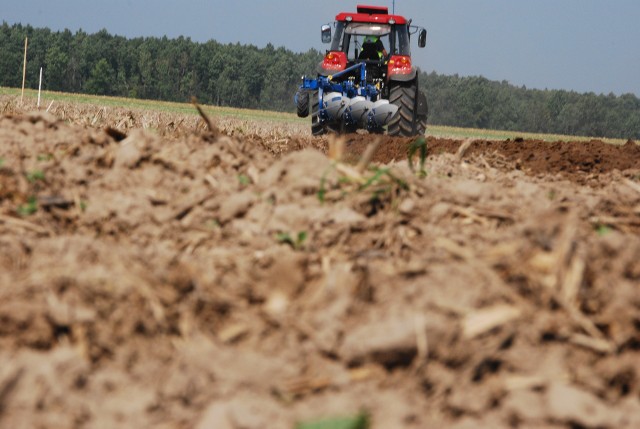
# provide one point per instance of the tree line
(266, 78)
(480, 103)
(154, 68)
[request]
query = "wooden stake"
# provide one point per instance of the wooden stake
(24, 67)
(39, 88)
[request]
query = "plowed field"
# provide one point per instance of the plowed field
(154, 273)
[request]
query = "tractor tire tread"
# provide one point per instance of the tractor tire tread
(406, 123)
(302, 106)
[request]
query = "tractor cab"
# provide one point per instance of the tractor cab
(367, 41)
(373, 36)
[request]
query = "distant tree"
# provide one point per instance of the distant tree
(11, 45)
(56, 64)
(102, 79)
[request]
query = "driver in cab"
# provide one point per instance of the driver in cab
(372, 49)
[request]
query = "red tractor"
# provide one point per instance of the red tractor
(367, 79)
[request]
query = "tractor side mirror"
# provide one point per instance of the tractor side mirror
(422, 38)
(326, 33)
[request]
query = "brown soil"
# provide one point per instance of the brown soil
(179, 279)
(576, 161)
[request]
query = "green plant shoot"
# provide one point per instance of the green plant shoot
(29, 208)
(421, 146)
(35, 175)
(361, 421)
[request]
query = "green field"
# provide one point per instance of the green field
(462, 133)
(271, 116)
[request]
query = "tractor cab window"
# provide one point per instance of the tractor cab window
(363, 47)
(402, 45)
(370, 41)
(336, 43)
(367, 41)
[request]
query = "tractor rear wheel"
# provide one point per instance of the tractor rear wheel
(317, 128)
(407, 122)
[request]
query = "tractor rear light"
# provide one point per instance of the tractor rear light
(399, 64)
(335, 61)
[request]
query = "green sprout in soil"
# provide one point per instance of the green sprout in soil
(296, 242)
(45, 157)
(420, 145)
(1, 162)
(322, 190)
(35, 175)
(384, 187)
(380, 182)
(244, 180)
(29, 208)
(379, 173)
(360, 421)
(603, 230)
(381, 187)
(212, 224)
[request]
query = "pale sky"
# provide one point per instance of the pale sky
(581, 45)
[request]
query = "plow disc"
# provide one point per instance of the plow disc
(340, 110)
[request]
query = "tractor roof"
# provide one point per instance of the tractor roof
(374, 14)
